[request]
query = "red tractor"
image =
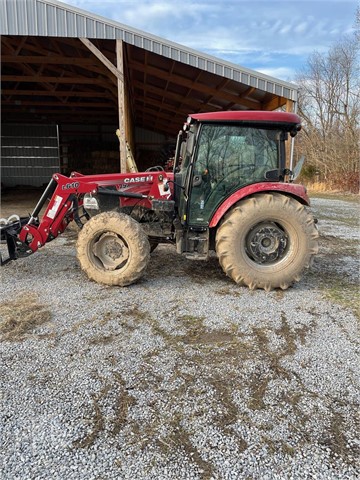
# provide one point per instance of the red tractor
(229, 191)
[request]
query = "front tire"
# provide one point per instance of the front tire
(266, 241)
(113, 249)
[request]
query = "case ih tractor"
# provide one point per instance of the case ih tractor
(229, 192)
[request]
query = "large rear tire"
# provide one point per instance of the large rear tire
(266, 241)
(113, 249)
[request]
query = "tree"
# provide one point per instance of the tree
(329, 103)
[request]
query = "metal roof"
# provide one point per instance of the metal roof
(51, 18)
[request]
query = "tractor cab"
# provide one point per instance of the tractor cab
(220, 153)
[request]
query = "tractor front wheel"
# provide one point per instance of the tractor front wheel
(113, 249)
(266, 241)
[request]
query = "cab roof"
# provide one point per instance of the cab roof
(260, 116)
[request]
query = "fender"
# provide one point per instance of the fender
(295, 190)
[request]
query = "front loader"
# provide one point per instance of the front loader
(229, 192)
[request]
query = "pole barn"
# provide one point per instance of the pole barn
(71, 79)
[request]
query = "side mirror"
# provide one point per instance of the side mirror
(272, 175)
(298, 168)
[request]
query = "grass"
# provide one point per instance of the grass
(344, 293)
(345, 197)
(333, 282)
(338, 246)
(350, 221)
(19, 318)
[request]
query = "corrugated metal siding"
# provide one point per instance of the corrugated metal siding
(52, 18)
(29, 154)
(153, 148)
(149, 139)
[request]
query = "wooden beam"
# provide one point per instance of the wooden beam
(188, 103)
(49, 79)
(30, 70)
(224, 82)
(152, 122)
(118, 72)
(195, 85)
(163, 115)
(162, 106)
(47, 60)
(191, 104)
(35, 103)
(148, 123)
(274, 103)
(115, 71)
(68, 114)
(290, 106)
(121, 104)
(46, 93)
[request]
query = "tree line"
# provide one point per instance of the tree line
(329, 104)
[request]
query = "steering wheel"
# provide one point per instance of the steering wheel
(157, 168)
(232, 168)
(244, 172)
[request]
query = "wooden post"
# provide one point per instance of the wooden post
(118, 71)
(121, 104)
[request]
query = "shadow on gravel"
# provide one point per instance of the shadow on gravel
(165, 263)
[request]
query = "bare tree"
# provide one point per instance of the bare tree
(330, 106)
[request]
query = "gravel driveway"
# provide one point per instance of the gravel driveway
(184, 375)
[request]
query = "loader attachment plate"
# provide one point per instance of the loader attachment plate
(9, 235)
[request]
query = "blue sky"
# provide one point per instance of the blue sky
(272, 36)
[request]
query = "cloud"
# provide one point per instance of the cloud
(284, 73)
(248, 32)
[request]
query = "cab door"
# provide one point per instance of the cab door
(227, 157)
(183, 177)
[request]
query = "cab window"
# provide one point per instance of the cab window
(227, 158)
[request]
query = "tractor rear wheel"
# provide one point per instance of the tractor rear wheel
(266, 241)
(113, 249)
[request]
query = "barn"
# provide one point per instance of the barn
(71, 79)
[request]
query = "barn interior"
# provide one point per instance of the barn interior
(67, 89)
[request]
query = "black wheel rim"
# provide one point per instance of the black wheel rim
(266, 243)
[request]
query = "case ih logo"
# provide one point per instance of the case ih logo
(68, 186)
(147, 178)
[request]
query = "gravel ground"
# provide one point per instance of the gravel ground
(184, 375)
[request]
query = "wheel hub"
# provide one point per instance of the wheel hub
(111, 250)
(266, 243)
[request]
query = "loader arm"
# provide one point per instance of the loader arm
(26, 235)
